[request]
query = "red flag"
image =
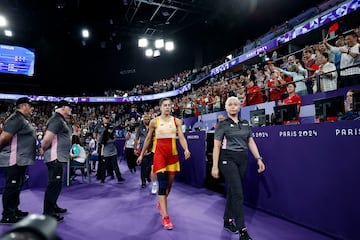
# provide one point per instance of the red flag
(333, 28)
(315, 67)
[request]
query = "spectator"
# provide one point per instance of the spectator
(348, 105)
(254, 94)
(327, 74)
(349, 53)
(298, 74)
(291, 99)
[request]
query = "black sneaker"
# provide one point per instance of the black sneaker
(229, 226)
(21, 214)
(143, 185)
(60, 210)
(121, 179)
(57, 217)
(244, 235)
(9, 220)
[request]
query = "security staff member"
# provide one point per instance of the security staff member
(98, 133)
(232, 139)
(18, 148)
(55, 147)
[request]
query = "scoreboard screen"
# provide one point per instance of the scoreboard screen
(17, 60)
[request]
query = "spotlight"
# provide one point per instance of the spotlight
(8, 33)
(149, 52)
(3, 21)
(156, 53)
(169, 46)
(159, 43)
(85, 33)
(142, 42)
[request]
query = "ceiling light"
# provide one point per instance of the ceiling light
(3, 22)
(8, 33)
(159, 43)
(85, 33)
(149, 52)
(156, 53)
(142, 42)
(169, 46)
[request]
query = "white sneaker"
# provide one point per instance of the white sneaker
(154, 188)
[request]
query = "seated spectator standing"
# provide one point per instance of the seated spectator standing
(254, 94)
(310, 66)
(327, 74)
(275, 84)
(188, 108)
(298, 74)
(349, 57)
(291, 99)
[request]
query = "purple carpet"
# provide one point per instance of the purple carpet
(124, 211)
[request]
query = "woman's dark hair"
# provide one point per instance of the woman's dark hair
(75, 139)
(325, 54)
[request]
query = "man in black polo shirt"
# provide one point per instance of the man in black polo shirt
(55, 147)
(17, 151)
(98, 133)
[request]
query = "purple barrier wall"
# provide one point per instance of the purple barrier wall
(193, 170)
(38, 177)
(310, 175)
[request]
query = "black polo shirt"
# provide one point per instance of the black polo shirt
(141, 133)
(21, 149)
(61, 143)
(234, 136)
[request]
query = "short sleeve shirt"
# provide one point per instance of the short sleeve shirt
(234, 136)
(142, 132)
(99, 129)
(110, 148)
(61, 143)
(294, 99)
(22, 147)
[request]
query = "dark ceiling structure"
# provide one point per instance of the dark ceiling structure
(110, 21)
(203, 30)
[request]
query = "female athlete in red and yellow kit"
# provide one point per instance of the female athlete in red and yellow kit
(166, 161)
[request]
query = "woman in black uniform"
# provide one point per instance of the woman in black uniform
(233, 138)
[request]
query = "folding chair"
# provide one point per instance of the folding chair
(82, 166)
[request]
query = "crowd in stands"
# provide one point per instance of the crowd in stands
(163, 85)
(316, 68)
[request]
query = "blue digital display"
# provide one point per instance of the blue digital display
(16, 60)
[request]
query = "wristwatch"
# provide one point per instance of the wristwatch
(259, 158)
